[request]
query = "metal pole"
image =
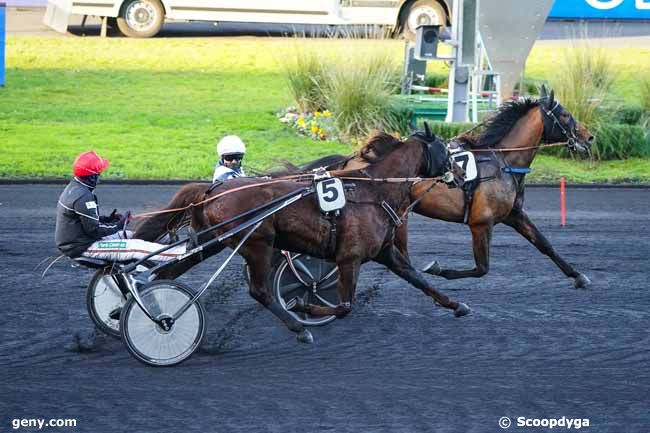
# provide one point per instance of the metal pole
(457, 106)
(414, 70)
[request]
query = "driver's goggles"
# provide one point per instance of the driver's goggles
(233, 157)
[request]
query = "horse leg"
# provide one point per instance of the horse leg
(259, 258)
(519, 220)
(347, 283)
(401, 240)
(398, 264)
(481, 237)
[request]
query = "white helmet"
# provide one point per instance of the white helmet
(230, 144)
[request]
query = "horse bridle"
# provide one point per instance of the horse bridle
(570, 135)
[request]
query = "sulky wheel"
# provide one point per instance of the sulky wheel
(168, 341)
(104, 300)
(312, 279)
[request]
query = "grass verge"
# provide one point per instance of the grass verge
(156, 107)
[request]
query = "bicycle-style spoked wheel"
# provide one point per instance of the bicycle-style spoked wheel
(104, 301)
(312, 279)
(149, 341)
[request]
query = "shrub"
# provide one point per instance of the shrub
(618, 141)
(355, 86)
(359, 94)
(584, 77)
(628, 115)
(437, 80)
(447, 131)
(645, 97)
(304, 75)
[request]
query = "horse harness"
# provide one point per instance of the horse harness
(500, 166)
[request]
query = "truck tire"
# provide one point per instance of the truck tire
(421, 12)
(141, 18)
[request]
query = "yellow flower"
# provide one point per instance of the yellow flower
(314, 129)
(327, 113)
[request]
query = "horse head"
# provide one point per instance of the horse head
(560, 125)
(437, 161)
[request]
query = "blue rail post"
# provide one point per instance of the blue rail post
(3, 14)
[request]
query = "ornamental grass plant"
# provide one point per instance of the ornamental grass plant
(356, 83)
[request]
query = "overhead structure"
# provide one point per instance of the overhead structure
(488, 38)
(508, 31)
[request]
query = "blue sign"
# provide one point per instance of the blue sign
(3, 23)
(601, 9)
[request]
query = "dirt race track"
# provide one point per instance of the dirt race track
(533, 346)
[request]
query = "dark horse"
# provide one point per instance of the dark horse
(499, 196)
(363, 231)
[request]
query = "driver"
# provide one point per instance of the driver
(231, 150)
(82, 231)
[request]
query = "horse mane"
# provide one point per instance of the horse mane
(377, 147)
(150, 228)
(500, 125)
(329, 161)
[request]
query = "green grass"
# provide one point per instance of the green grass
(156, 107)
(549, 169)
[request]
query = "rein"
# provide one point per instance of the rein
(518, 149)
(278, 180)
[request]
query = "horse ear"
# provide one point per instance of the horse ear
(427, 130)
(542, 92)
(551, 99)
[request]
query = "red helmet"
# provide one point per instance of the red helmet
(89, 163)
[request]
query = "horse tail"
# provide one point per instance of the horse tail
(152, 227)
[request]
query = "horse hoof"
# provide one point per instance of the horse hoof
(432, 268)
(462, 310)
(582, 282)
(305, 337)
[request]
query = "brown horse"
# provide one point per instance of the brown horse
(499, 193)
(363, 231)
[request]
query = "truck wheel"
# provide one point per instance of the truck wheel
(421, 12)
(141, 18)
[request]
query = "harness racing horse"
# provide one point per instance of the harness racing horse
(505, 151)
(364, 230)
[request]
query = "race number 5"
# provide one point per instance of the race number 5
(330, 194)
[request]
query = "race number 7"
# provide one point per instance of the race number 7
(462, 160)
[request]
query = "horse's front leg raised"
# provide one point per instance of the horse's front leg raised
(347, 283)
(259, 257)
(398, 264)
(481, 237)
(519, 220)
